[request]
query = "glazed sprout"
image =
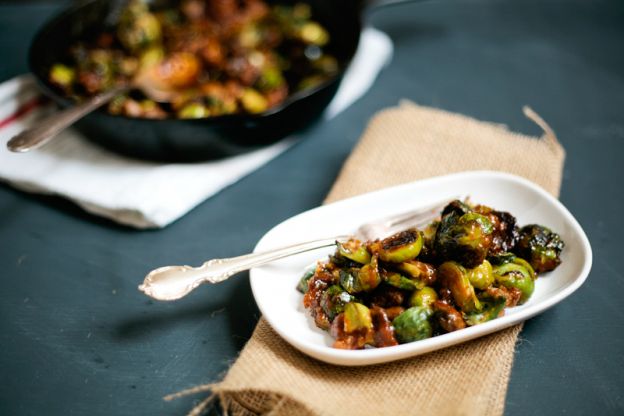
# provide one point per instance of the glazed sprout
(463, 237)
(413, 324)
(516, 274)
(138, 28)
(454, 277)
(364, 279)
(399, 247)
(357, 317)
(334, 299)
(354, 250)
(491, 308)
(481, 276)
(540, 246)
(423, 297)
(302, 286)
(447, 317)
(399, 281)
(504, 230)
(418, 270)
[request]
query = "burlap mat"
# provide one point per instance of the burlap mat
(400, 145)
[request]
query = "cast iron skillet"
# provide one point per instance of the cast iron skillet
(202, 139)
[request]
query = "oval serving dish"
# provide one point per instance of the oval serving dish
(274, 285)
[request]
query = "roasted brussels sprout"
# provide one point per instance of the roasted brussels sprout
(423, 297)
(481, 276)
(413, 324)
(363, 279)
(504, 230)
(357, 317)
(399, 247)
(334, 299)
(491, 309)
(454, 277)
(354, 250)
(302, 286)
(516, 274)
(419, 271)
(399, 281)
(463, 237)
(138, 28)
(540, 246)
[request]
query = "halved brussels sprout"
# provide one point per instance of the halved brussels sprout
(423, 297)
(62, 75)
(334, 299)
(399, 281)
(364, 279)
(454, 277)
(354, 250)
(357, 317)
(516, 275)
(419, 271)
(481, 276)
(540, 246)
(413, 324)
(399, 247)
(463, 237)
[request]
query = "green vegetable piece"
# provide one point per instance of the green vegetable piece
(413, 324)
(463, 237)
(364, 279)
(540, 246)
(333, 301)
(423, 297)
(399, 281)
(491, 309)
(253, 101)
(357, 317)
(514, 275)
(62, 75)
(302, 286)
(138, 28)
(354, 250)
(454, 277)
(481, 276)
(193, 110)
(418, 270)
(399, 247)
(270, 79)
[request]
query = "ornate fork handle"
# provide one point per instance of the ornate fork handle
(175, 282)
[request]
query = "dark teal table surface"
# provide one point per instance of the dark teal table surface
(76, 337)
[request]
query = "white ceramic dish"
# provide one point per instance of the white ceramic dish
(273, 285)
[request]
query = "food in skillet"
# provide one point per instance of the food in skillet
(463, 269)
(209, 57)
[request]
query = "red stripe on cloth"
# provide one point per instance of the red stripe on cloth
(26, 108)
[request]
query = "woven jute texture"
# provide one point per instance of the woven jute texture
(400, 145)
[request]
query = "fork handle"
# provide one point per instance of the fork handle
(175, 282)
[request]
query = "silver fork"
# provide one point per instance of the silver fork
(174, 282)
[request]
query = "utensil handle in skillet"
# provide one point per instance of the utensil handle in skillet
(49, 127)
(174, 282)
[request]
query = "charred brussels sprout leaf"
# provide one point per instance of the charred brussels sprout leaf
(492, 308)
(333, 301)
(413, 324)
(419, 271)
(399, 247)
(302, 286)
(516, 274)
(464, 238)
(454, 277)
(504, 230)
(540, 246)
(357, 317)
(354, 250)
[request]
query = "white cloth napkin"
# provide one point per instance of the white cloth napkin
(138, 193)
